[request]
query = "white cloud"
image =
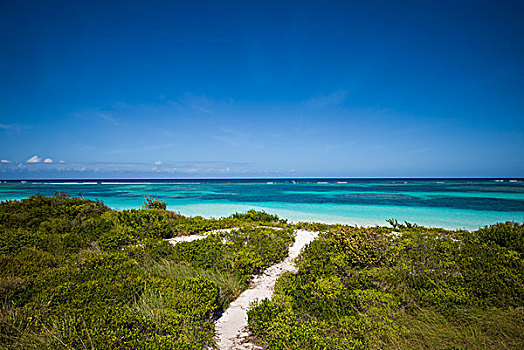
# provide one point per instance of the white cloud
(48, 160)
(96, 115)
(61, 161)
(158, 162)
(142, 149)
(5, 161)
(34, 159)
(331, 100)
(108, 118)
(36, 167)
(200, 104)
(12, 127)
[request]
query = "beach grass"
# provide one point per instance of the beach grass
(75, 274)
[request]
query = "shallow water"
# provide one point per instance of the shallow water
(464, 203)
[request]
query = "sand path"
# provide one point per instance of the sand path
(231, 327)
(191, 238)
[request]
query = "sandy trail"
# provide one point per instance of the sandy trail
(231, 327)
(191, 238)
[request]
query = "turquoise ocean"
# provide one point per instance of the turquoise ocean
(449, 203)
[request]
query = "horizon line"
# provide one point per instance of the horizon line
(270, 178)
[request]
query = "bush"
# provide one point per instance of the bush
(369, 288)
(75, 274)
(154, 203)
(509, 235)
(257, 216)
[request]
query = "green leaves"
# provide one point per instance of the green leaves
(154, 203)
(362, 286)
(257, 216)
(509, 235)
(75, 274)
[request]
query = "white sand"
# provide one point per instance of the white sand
(191, 238)
(231, 328)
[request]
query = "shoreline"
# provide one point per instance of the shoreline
(455, 221)
(450, 207)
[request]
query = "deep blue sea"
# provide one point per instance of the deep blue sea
(449, 203)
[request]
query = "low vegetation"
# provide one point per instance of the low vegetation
(75, 274)
(408, 287)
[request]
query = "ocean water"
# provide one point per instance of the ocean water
(449, 203)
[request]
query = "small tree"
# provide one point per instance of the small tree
(154, 203)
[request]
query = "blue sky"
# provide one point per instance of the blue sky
(261, 88)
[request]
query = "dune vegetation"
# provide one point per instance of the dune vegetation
(75, 274)
(406, 287)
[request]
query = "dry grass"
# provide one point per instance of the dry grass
(231, 285)
(469, 329)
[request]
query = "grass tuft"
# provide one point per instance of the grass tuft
(230, 284)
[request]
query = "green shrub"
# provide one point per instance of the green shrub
(75, 274)
(509, 235)
(370, 288)
(230, 284)
(257, 216)
(154, 203)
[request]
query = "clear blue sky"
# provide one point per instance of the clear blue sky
(261, 88)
